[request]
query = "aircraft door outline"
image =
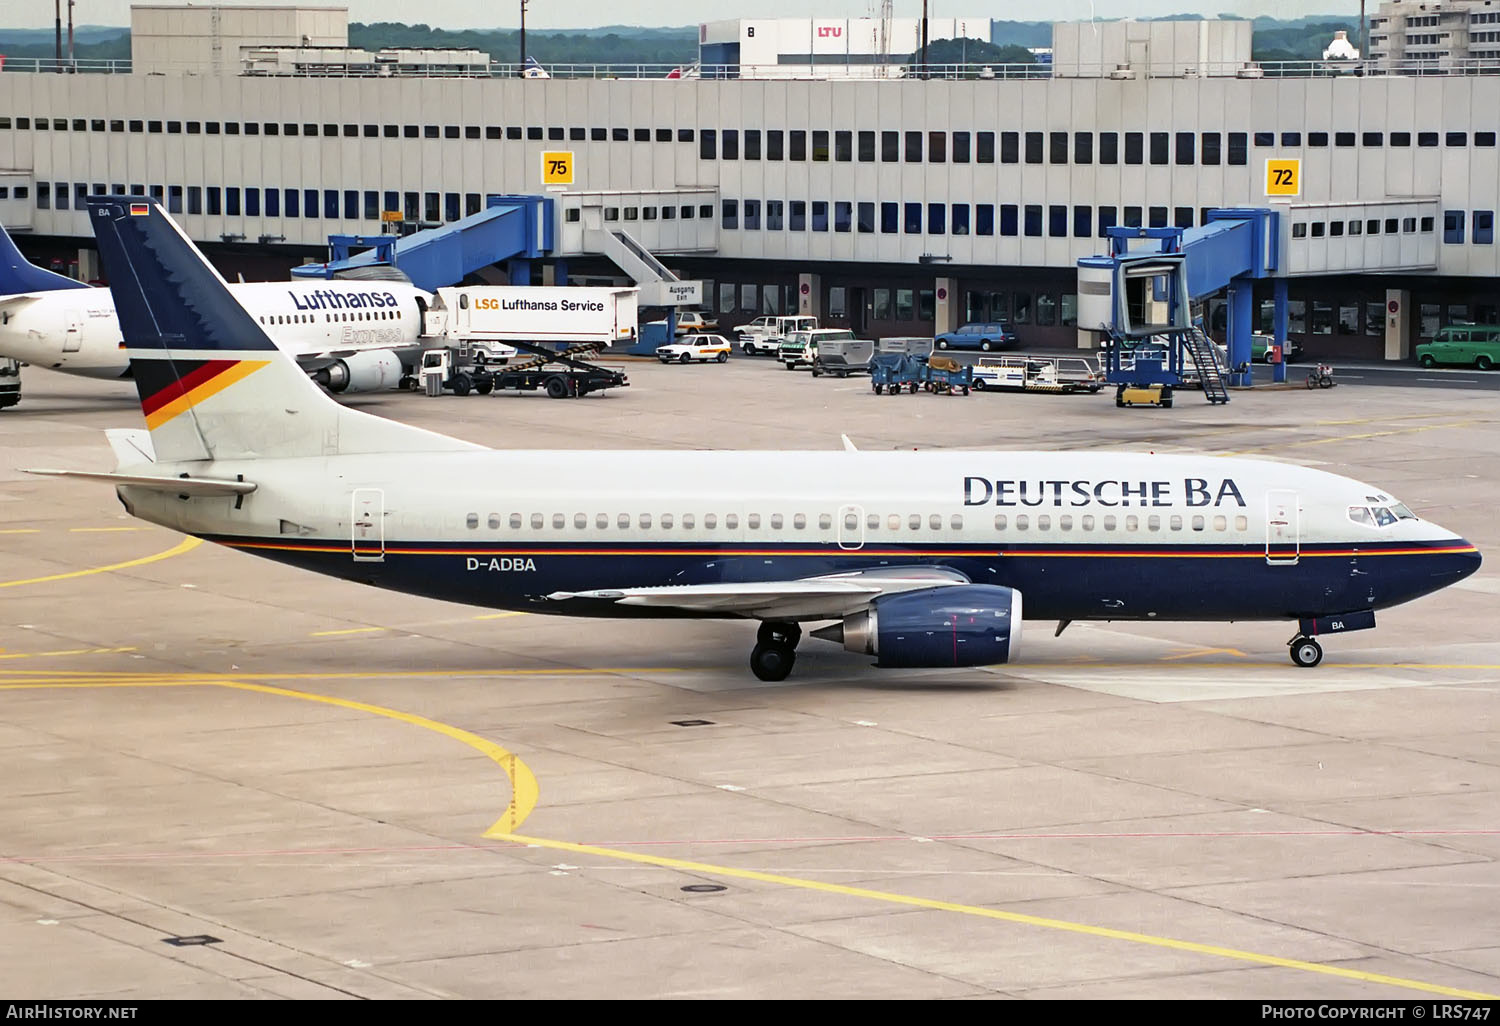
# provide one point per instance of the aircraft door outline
(73, 337)
(367, 525)
(1283, 528)
(851, 527)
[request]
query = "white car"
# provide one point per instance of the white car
(695, 347)
(691, 320)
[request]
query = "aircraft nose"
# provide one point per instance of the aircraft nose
(1465, 561)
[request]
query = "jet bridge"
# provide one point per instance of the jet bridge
(1144, 287)
(511, 229)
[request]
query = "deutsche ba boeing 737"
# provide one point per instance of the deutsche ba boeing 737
(920, 559)
(352, 336)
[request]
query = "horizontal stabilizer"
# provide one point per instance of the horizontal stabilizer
(175, 485)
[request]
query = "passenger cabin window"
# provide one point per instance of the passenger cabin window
(559, 521)
(752, 521)
(515, 521)
(471, 521)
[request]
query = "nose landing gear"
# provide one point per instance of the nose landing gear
(775, 650)
(1306, 651)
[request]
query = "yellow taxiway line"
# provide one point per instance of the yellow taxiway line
(525, 792)
(183, 546)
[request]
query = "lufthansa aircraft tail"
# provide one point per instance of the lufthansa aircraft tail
(213, 385)
(18, 275)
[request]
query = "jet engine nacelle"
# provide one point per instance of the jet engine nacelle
(962, 625)
(362, 372)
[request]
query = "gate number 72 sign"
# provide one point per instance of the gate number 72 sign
(1283, 177)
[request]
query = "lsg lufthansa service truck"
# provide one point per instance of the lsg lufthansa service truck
(491, 337)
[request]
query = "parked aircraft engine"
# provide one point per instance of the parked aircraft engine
(362, 372)
(963, 625)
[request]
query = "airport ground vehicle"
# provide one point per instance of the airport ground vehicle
(486, 314)
(891, 372)
(841, 358)
(1054, 374)
(800, 348)
(10, 382)
(1260, 348)
(765, 334)
(915, 346)
(562, 375)
(1468, 345)
(946, 376)
(986, 337)
(701, 348)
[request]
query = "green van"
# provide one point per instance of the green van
(1476, 345)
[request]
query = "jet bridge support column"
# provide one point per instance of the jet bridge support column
(1278, 330)
(518, 272)
(1241, 302)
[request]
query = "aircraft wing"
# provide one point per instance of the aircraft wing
(807, 598)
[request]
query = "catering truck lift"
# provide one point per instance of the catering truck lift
(489, 337)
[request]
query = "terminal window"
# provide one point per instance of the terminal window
(1010, 147)
(1083, 148)
(984, 219)
(1109, 147)
(1317, 138)
(599, 134)
(866, 218)
(1291, 138)
(1456, 139)
(1400, 138)
(937, 147)
(843, 146)
(936, 218)
(961, 147)
(960, 220)
(1034, 220)
(641, 135)
(685, 135)
(797, 216)
(774, 213)
(578, 134)
(731, 140)
(866, 147)
(1132, 217)
(1427, 138)
(820, 215)
(752, 144)
(1185, 142)
(708, 144)
(1210, 152)
(1239, 151)
(1453, 227)
(820, 146)
(1158, 147)
(154, 127)
(798, 144)
(1134, 147)
(193, 128)
(1265, 138)
(842, 215)
(1484, 227)
(890, 218)
(1033, 147)
(1082, 222)
(775, 144)
(752, 215)
(663, 135)
(984, 146)
(1182, 217)
(1484, 138)
(620, 134)
(1057, 221)
(1057, 144)
(513, 132)
(1343, 138)
(890, 147)
(1158, 216)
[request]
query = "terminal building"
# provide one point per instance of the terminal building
(895, 206)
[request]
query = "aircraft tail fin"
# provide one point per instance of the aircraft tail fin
(212, 383)
(17, 274)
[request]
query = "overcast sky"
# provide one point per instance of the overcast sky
(562, 14)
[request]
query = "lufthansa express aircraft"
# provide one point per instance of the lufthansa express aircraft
(351, 336)
(920, 559)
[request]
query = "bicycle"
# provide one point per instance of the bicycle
(1321, 377)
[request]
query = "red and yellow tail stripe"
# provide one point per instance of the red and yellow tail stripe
(204, 381)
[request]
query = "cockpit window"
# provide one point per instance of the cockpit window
(1380, 516)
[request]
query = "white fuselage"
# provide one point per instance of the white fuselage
(76, 331)
(1082, 535)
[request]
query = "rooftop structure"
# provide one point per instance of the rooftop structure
(188, 40)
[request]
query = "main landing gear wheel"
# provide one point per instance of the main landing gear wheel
(1306, 651)
(775, 650)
